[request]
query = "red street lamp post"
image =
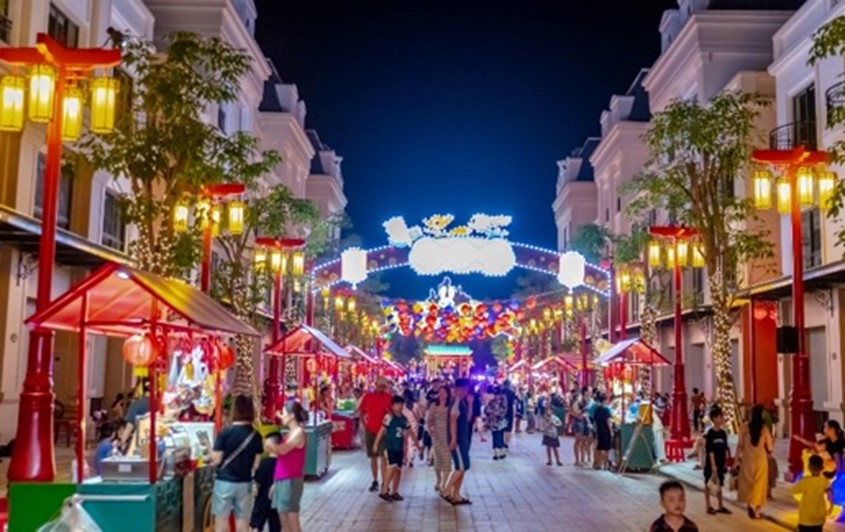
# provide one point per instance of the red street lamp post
(677, 256)
(277, 251)
(55, 99)
(803, 171)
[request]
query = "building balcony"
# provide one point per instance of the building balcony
(794, 135)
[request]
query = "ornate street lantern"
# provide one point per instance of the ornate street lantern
(298, 263)
(784, 196)
(260, 259)
(72, 114)
(805, 184)
(278, 261)
(698, 255)
(103, 100)
(180, 217)
(827, 182)
(763, 189)
(670, 257)
(236, 217)
(41, 93)
(654, 254)
(682, 252)
(11, 103)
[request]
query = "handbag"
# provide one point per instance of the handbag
(733, 483)
(241, 448)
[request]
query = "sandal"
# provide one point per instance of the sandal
(462, 501)
(724, 510)
(711, 511)
(397, 497)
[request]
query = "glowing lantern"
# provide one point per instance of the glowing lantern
(226, 357)
(654, 254)
(180, 217)
(278, 261)
(670, 257)
(103, 99)
(139, 350)
(784, 197)
(216, 217)
(236, 217)
(827, 182)
(41, 92)
(298, 263)
(260, 259)
(804, 179)
(682, 252)
(353, 266)
(698, 255)
(623, 282)
(763, 189)
(338, 303)
(350, 305)
(11, 103)
(571, 269)
(72, 114)
(547, 314)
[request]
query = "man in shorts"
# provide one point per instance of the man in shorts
(459, 433)
(372, 409)
(395, 428)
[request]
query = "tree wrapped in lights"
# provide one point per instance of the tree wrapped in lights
(166, 149)
(697, 152)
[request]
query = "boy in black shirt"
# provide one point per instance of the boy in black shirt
(715, 463)
(261, 511)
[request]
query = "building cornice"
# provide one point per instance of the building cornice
(619, 134)
(287, 122)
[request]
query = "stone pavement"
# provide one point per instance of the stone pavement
(520, 493)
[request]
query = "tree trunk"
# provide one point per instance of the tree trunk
(722, 352)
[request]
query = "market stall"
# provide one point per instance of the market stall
(559, 367)
(639, 436)
(450, 360)
(365, 368)
(315, 359)
(160, 481)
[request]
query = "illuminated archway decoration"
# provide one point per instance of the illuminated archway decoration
(423, 247)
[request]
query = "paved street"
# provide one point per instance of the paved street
(520, 493)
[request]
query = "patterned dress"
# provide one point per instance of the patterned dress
(438, 423)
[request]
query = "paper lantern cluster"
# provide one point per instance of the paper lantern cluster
(453, 324)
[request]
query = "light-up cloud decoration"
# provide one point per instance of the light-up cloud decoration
(353, 266)
(480, 246)
(571, 269)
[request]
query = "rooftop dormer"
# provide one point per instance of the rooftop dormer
(281, 97)
(629, 107)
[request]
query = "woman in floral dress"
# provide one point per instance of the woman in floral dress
(437, 424)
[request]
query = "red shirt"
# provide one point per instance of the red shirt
(374, 406)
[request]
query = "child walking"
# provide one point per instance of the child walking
(395, 428)
(815, 493)
(716, 460)
(551, 436)
(262, 510)
(674, 502)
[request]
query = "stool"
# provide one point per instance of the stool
(675, 450)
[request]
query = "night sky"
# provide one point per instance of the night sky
(459, 106)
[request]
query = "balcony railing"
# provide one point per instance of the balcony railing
(794, 135)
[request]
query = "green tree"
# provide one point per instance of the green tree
(533, 283)
(829, 42)
(697, 153)
(166, 149)
(591, 241)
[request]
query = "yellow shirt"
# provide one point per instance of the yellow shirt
(812, 510)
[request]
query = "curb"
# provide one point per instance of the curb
(732, 502)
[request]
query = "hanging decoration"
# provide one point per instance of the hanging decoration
(353, 266)
(140, 350)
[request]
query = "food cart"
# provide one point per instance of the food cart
(161, 483)
(315, 357)
(621, 362)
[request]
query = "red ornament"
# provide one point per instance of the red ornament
(311, 365)
(140, 350)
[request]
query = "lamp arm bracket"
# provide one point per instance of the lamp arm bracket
(27, 264)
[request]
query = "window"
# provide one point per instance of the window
(804, 117)
(618, 203)
(65, 190)
(221, 117)
(5, 21)
(811, 236)
(635, 307)
(698, 286)
(62, 29)
(114, 226)
(607, 215)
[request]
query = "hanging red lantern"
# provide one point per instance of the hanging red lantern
(140, 350)
(311, 365)
(226, 357)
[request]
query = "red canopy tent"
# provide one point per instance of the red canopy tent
(632, 352)
(307, 343)
(116, 300)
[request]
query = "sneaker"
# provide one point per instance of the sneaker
(560, 464)
(374, 486)
(397, 497)
(386, 497)
(549, 462)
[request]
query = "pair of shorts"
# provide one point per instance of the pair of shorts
(287, 494)
(708, 472)
(460, 458)
(369, 440)
(394, 458)
(604, 441)
(232, 497)
(551, 441)
(264, 514)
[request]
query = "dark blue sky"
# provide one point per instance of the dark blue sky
(457, 106)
